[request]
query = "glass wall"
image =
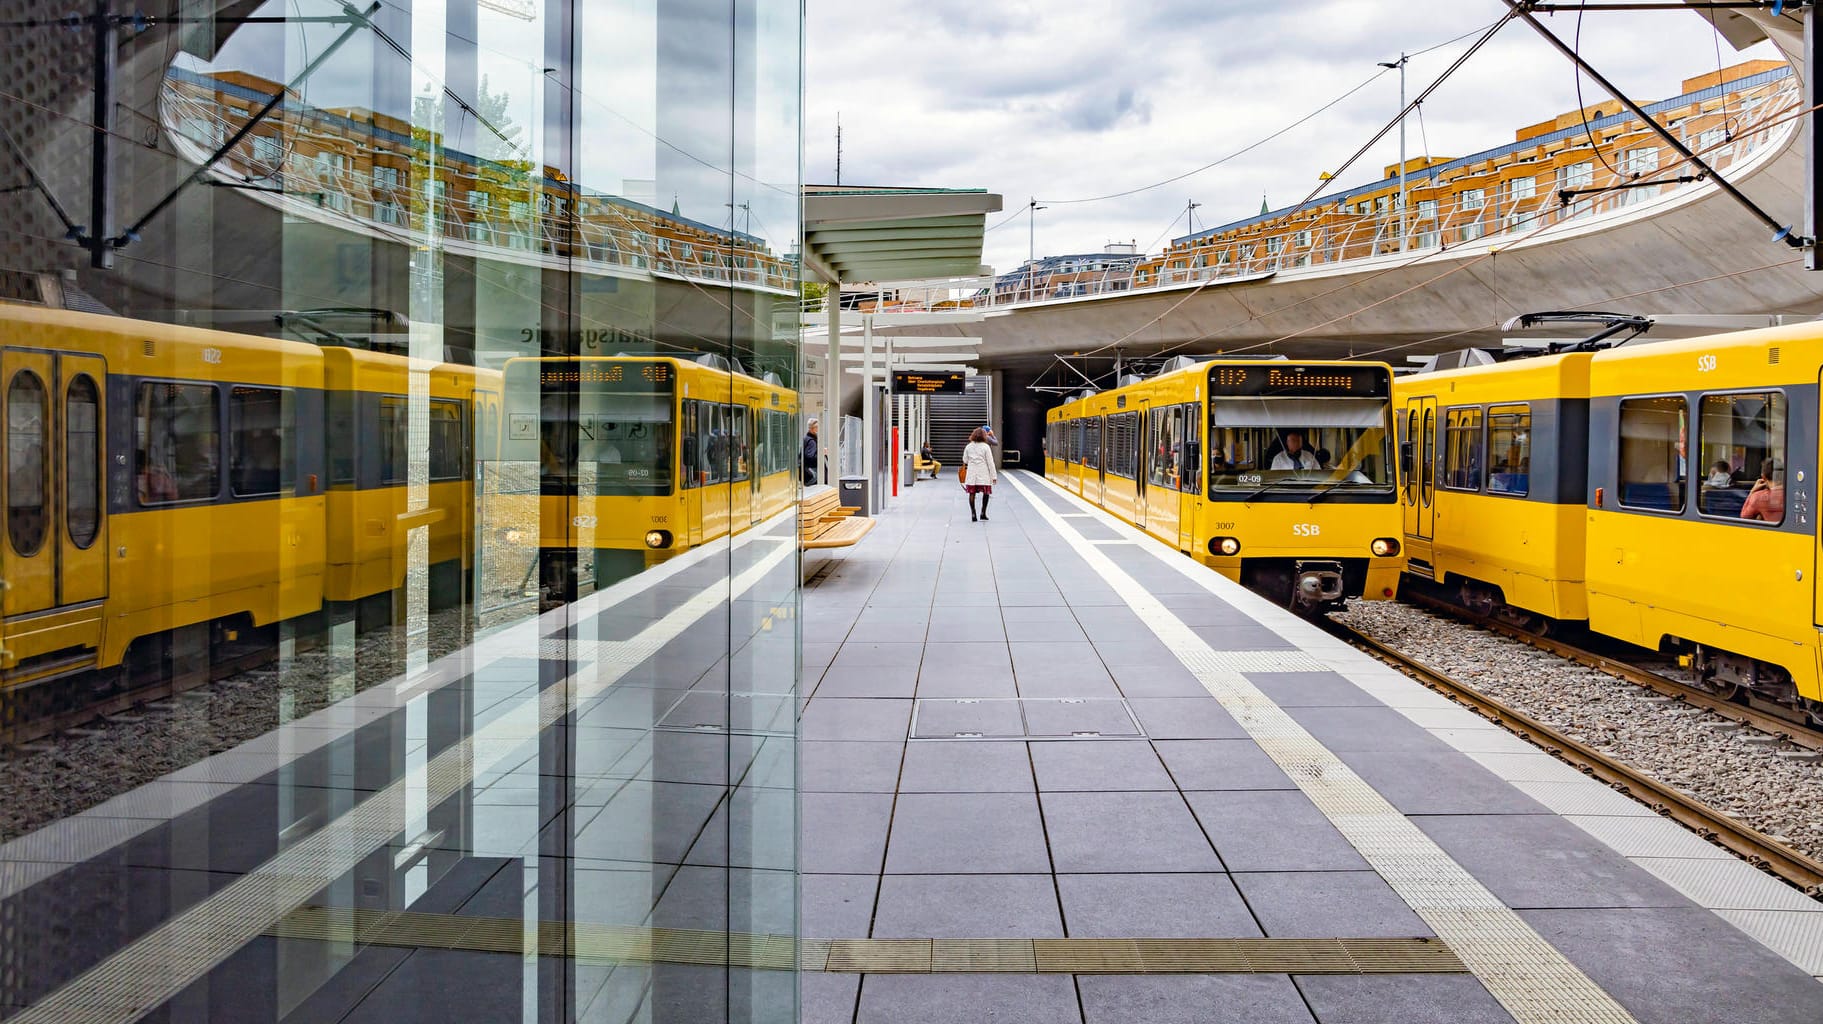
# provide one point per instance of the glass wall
(401, 416)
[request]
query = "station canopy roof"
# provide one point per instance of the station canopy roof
(854, 234)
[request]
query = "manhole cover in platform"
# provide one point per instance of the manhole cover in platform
(1024, 718)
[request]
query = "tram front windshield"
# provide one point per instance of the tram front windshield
(1295, 445)
(606, 427)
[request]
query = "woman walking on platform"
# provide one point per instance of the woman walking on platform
(978, 471)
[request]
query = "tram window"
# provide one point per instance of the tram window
(1652, 463)
(26, 507)
(626, 440)
(343, 437)
(1191, 464)
(448, 445)
(1167, 446)
(1740, 441)
(260, 426)
(1091, 439)
(713, 443)
(177, 444)
(1411, 438)
(395, 441)
(82, 460)
(1462, 449)
(740, 442)
(1509, 449)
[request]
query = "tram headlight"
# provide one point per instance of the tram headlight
(658, 538)
(1384, 547)
(1226, 547)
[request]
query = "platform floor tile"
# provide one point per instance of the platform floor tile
(1324, 904)
(1400, 999)
(1163, 906)
(1103, 765)
(1664, 965)
(966, 766)
(967, 906)
(1125, 832)
(968, 999)
(1272, 830)
(1192, 999)
(1438, 782)
(965, 833)
(1221, 764)
(1563, 866)
(836, 905)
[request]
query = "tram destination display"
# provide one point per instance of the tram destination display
(922, 382)
(1295, 381)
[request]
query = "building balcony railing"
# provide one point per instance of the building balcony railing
(1638, 170)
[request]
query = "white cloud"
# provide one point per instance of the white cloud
(1064, 101)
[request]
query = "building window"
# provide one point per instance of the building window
(266, 150)
(1427, 209)
(1473, 199)
(1472, 231)
(1521, 188)
(478, 200)
(1652, 464)
(1643, 160)
(1577, 175)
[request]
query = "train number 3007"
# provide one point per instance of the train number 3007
(1306, 530)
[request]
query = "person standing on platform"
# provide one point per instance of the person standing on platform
(978, 471)
(810, 453)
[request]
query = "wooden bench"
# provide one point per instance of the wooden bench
(824, 523)
(920, 464)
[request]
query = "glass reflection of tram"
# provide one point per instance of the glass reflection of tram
(1280, 475)
(640, 458)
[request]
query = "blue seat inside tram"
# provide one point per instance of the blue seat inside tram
(1661, 496)
(1724, 501)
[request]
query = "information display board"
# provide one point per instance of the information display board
(1291, 380)
(925, 382)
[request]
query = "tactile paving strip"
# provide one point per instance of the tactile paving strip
(604, 944)
(164, 961)
(1530, 977)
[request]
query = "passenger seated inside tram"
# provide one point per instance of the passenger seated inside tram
(155, 482)
(1766, 502)
(1218, 460)
(1720, 475)
(1323, 459)
(1294, 455)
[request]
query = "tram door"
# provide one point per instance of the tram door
(1142, 467)
(1420, 429)
(56, 525)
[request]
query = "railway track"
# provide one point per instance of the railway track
(1792, 731)
(1749, 843)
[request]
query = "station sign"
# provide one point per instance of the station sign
(921, 382)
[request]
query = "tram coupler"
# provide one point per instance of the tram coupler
(1315, 584)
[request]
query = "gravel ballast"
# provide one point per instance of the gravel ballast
(1770, 786)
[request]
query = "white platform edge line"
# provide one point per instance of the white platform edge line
(1250, 604)
(1528, 975)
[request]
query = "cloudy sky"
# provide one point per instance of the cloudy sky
(1069, 101)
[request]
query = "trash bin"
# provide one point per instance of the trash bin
(906, 473)
(853, 492)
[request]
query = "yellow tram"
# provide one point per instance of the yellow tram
(170, 492)
(1663, 493)
(1278, 474)
(643, 457)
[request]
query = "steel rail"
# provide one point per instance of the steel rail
(1751, 844)
(1792, 731)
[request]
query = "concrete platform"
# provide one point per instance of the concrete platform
(1050, 728)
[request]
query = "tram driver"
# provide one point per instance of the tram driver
(1294, 455)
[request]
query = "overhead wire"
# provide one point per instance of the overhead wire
(1360, 280)
(1486, 35)
(1269, 138)
(1576, 72)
